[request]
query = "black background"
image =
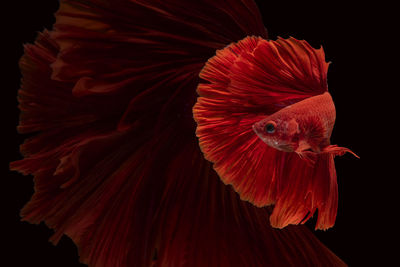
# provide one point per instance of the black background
(353, 41)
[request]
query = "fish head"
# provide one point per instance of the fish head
(278, 132)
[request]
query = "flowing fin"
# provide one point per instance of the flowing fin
(116, 165)
(303, 189)
(121, 210)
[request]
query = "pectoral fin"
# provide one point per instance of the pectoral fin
(338, 151)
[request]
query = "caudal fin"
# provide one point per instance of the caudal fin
(115, 160)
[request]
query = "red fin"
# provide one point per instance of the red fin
(304, 189)
(338, 151)
(116, 164)
(260, 76)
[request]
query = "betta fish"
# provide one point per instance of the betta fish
(266, 105)
(175, 133)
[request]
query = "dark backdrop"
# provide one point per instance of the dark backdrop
(350, 37)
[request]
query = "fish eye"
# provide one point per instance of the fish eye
(270, 127)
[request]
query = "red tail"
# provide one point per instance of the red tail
(115, 160)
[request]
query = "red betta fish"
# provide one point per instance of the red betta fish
(109, 93)
(263, 100)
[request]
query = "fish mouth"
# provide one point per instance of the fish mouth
(256, 130)
(259, 133)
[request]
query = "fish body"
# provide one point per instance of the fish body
(305, 125)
